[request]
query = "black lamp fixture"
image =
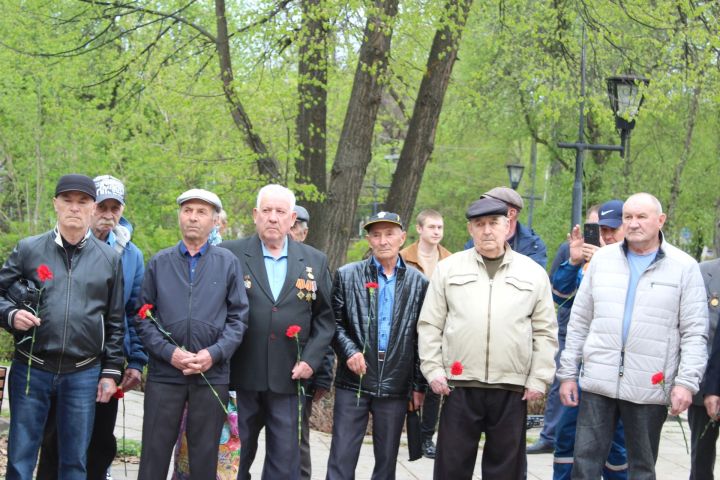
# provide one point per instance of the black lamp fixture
(515, 173)
(625, 100)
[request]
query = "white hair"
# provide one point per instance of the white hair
(649, 197)
(275, 190)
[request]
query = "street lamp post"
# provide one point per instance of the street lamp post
(625, 103)
(515, 173)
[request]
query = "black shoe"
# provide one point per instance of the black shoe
(541, 446)
(428, 448)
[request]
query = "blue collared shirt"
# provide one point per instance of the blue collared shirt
(385, 302)
(276, 268)
(192, 259)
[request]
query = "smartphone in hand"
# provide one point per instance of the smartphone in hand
(591, 233)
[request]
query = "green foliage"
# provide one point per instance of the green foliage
(127, 447)
(145, 103)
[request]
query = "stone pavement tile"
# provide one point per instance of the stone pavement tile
(673, 461)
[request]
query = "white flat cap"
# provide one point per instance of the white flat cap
(200, 194)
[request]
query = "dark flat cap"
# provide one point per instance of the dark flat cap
(76, 183)
(486, 206)
(388, 217)
(301, 214)
(507, 195)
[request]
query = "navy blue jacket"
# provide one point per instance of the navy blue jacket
(527, 242)
(209, 313)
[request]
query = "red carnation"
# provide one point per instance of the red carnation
(456, 369)
(119, 393)
(372, 285)
(659, 377)
(292, 331)
(44, 273)
(145, 311)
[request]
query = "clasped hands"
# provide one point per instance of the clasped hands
(191, 363)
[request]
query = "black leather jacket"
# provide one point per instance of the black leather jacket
(81, 308)
(399, 373)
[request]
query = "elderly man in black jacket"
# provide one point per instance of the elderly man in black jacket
(68, 337)
(376, 303)
(200, 310)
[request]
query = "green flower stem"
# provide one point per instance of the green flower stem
(27, 379)
(372, 302)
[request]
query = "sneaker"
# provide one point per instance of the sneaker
(428, 448)
(541, 446)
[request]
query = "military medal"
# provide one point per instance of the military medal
(310, 273)
(247, 282)
(300, 295)
(714, 301)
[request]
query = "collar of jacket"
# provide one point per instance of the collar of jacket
(59, 241)
(660, 253)
(371, 270)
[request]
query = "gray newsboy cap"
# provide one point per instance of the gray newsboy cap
(301, 214)
(507, 195)
(486, 206)
(200, 194)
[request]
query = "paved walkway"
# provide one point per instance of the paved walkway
(673, 463)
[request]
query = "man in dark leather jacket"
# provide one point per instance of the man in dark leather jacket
(376, 303)
(76, 356)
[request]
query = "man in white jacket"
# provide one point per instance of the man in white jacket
(638, 323)
(487, 330)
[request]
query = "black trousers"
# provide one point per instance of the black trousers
(430, 411)
(101, 451)
(164, 404)
(702, 457)
(466, 414)
(278, 413)
(349, 424)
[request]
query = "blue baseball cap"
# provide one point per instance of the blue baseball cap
(610, 214)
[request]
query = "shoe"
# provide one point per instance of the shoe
(428, 448)
(541, 446)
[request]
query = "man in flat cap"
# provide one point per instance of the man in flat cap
(299, 230)
(376, 302)
(288, 285)
(487, 339)
(522, 239)
(61, 296)
(196, 297)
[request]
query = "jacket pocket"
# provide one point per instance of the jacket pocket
(462, 278)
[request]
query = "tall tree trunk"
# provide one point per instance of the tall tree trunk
(311, 122)
(684, 156)
(354, 147)
(420, 140)
(266, 163)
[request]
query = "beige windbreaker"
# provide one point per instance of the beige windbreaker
(502, 330)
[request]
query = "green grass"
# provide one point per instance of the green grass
(132, 448)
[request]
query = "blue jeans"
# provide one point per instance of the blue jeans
(74, 394)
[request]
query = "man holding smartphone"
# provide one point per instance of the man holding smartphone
(566, 280)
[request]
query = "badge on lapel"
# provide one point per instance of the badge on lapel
(714, 300)
(247, 282)
(307, 286)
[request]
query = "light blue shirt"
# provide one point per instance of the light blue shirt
(385, 302)
(638, 265)
(276, 268)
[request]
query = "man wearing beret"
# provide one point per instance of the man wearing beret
(287, 284)
(482, 304)
(198, 303)
(376, 303)
(522, 239)
(68, 336)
